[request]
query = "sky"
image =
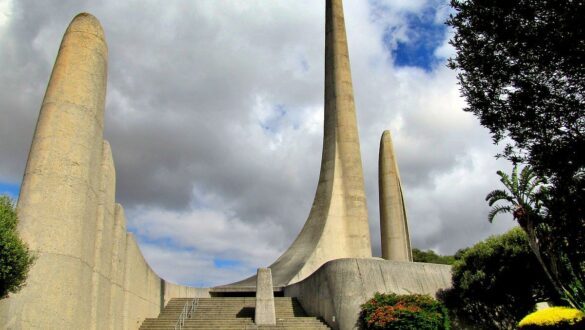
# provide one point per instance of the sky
(214, 113)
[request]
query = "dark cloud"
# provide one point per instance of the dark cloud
(214, 115)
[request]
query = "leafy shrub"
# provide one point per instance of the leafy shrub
(496, 283)
(15, 258)
(553, 318)
(391, 311)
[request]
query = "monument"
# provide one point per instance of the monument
(90, 273)
(337, 226)
(393, 223)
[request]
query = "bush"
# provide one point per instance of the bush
(496, 283)
(15, 258)
(553, 318)
(391, 311)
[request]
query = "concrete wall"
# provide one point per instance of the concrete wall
(89, 272)
(180, 291)
(337, 289)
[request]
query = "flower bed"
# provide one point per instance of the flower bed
(391, 311)
(553, 318)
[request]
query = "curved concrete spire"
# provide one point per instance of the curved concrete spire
(337, 226)
(393, 222)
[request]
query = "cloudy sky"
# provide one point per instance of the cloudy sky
(215, 116)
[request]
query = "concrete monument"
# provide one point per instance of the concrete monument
(393, 221)
(337, 226)
(89, 271)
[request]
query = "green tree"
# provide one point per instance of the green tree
(523, 201)
(15, 258)
(430, 256)
(520, 67)
(496, 283)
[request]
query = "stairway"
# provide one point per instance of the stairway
(233, 313)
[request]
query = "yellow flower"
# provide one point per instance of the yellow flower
(552, 316)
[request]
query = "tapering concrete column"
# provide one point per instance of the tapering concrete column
(393, 221)
(265, 313)
(58, 202)
(337, 226)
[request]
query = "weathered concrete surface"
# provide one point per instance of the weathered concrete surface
(173, 290)
(339, 287)
(265, 313)
(59, 186)
(393, 220)
(337, 226)
(89, 272)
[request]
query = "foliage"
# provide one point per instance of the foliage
(429, 256)
(15, 258)
(553, 318)
(391, 311)
(524, 199)
(496, 282)
(520, 67)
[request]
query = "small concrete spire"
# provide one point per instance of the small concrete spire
(393, 221)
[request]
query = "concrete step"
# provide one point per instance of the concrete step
(232, 313)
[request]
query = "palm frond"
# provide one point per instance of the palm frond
(514, 184)
(498, 195)
(505, 179)
(498, 209)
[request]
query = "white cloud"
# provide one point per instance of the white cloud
(191, 85)
(5, 12)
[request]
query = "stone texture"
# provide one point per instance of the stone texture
(173, 290)
(89, 272)
(58, 201)
(338, 288)
(265, 313)
(337, 226)
(393, 220)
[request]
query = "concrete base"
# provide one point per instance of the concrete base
(337, 289)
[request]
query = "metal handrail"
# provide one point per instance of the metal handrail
(186, 313)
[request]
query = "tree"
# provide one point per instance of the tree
(520, 67)
(496, 283)
(430, 256)
(525, 204)
(15, 258)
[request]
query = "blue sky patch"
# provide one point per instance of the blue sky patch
(166, 242)
(9, 189)
(273, 122)
(424, 36)
(226, 263)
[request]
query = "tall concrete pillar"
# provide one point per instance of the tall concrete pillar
(393, 221)
(337, 226)
(58, 201)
